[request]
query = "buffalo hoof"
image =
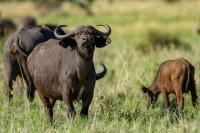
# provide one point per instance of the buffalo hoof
(84, 113)
(50, 120)
(71, 113)
(84, 116)
(178, 114)
(10, 96)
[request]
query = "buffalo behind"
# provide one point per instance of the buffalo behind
(16, 49)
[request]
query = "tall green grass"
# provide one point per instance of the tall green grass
(118, 104)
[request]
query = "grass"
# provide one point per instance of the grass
(118, 104)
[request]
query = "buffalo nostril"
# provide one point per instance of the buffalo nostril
(84, 39)
(92, 38)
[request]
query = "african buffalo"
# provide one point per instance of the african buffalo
(63, 68)
(16, 49)
(173, 76)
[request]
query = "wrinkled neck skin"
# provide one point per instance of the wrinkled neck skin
(84, 63)
(86, 53)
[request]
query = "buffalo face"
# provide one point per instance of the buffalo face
(86, 38)
(150, 97)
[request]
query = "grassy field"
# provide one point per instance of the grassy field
(144, 34)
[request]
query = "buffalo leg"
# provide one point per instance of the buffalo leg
(86, 101)
(180, 102)
(9, 89)
(10, 76)
(179, 98)
(48, 106)
(30, 84)
(166, 101)
(67, 98)
(50, 111)
(193, 93)
(52, 102)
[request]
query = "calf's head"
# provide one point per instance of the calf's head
(86, 38)
(151, 98)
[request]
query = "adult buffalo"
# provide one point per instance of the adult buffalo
(16, 49)
(63, 68)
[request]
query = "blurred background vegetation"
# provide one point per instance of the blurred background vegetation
(83, 4)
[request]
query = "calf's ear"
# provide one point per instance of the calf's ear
(147, 91)
(101, 41)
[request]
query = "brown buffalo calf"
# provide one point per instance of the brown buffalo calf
(173, 76)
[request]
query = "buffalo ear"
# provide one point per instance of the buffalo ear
(101, 41)
(68, 42)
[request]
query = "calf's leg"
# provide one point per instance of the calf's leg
(179, 98)
(166, 101)
(193, 93)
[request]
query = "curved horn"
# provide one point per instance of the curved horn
(107, 33)
(102, 73)
(62, 36)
